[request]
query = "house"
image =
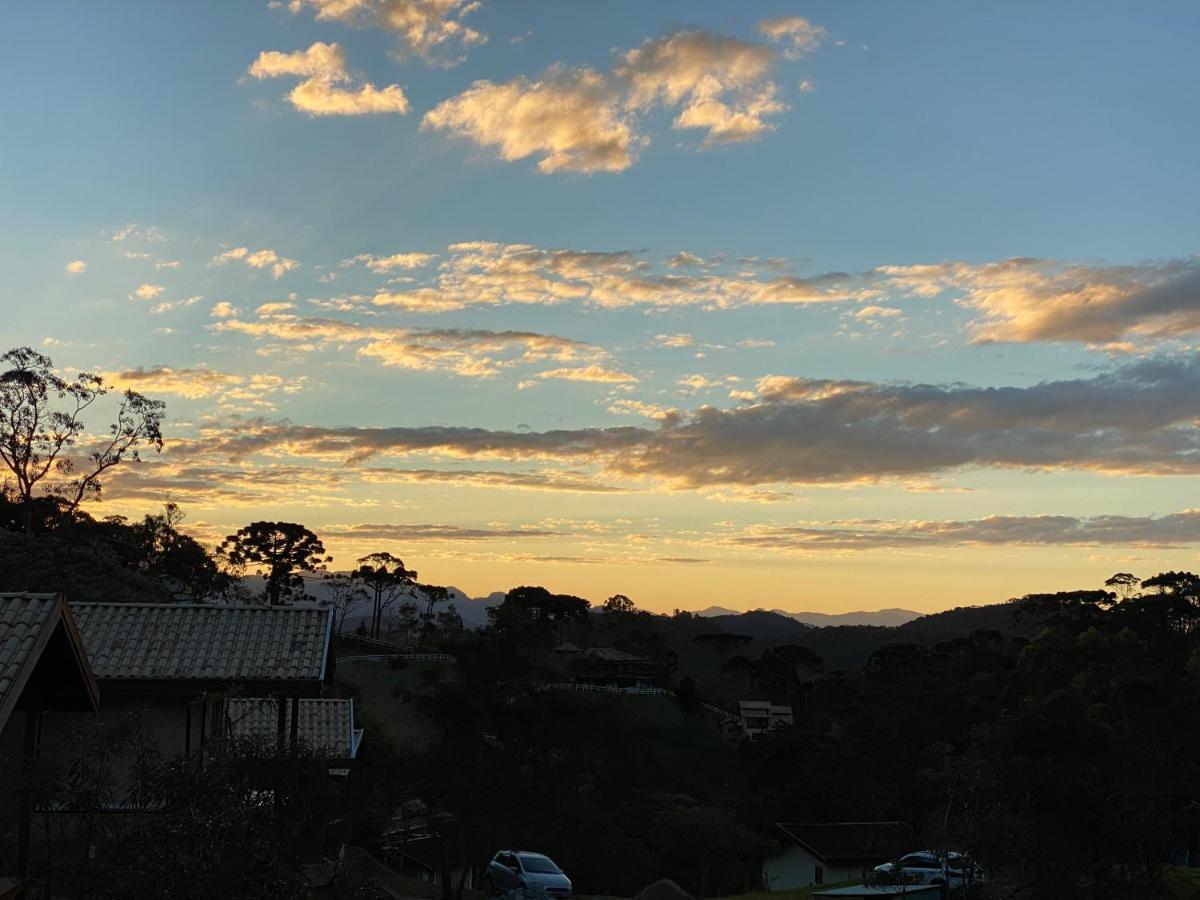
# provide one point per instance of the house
(825, 852)
(609, 666)
(761, 717)
(326, 725)
(43, 667)
(176, 664)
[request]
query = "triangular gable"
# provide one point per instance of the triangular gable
(34, 627)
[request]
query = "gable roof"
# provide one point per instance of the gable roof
(29, 624)
(850, 842)
(193, 642)
(325, 724)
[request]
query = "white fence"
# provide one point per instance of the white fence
(636, 690)
(413, 657)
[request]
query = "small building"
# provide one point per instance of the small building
(176, 664)
(827, 852)
(763, 717)
(612, 667)
(43, 668)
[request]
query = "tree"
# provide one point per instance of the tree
(386, 579)
(278, 552)
(434, 594)
(1124, 582)
(36, 438)
(619, 603)
(345, 594)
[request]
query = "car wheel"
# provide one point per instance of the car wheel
(489, 886)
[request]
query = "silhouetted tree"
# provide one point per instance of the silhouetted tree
(386, 579)
(36, 437)
(619, 603)
(1124, 582)
(345, 594)
(278, 552)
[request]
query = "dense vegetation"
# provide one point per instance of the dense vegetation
(1053, 737)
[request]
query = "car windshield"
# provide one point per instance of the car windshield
(919, 862)
(541, 865)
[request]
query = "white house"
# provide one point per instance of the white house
(763, 716)
(828, 852)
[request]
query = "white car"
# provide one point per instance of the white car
(526, 874)
(926, 867)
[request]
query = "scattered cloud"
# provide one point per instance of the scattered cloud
(1045, 300)
(1136, 419)
(580, 119)
(473, 353)
(799, 36)
(147, 291)
(677, 341)
(76, 267)
(448, 533)
(432, 30)
(1160, 532)
(484, 273)
(570, 118)
(326, 87)
(594, 373)
(382, 265)
(185, 382)
(258, 259)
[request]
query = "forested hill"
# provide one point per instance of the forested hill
(850, 646)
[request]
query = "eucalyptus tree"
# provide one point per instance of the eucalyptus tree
(41, 422)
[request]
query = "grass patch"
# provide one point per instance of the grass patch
(386, 698)
(794, 894)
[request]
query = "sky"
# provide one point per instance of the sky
(802, 305)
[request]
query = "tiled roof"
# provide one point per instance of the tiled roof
(851, 842)
(23, 621)
(150, 641)
(325, 725)
(37, 630)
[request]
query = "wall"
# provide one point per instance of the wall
(795, 867)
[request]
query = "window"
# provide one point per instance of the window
(819, 875)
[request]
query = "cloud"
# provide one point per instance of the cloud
(800, 36)
(405, 532)
(1172, 531)
(147, 291)
(76, 267)
(580, 119)
(1136, 419)
(569, 117)
(719, 83)
(674, 340)
(877, 312)
(589, 373)
(430, 29)
(381, 265)
(322, 90)
(185, 382)
(484, 273)
(258, 259)
(474, 353)
(224, 310)
(1045, 300)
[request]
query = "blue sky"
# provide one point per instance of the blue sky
(842, 148)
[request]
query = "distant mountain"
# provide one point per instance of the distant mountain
(886, 617)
